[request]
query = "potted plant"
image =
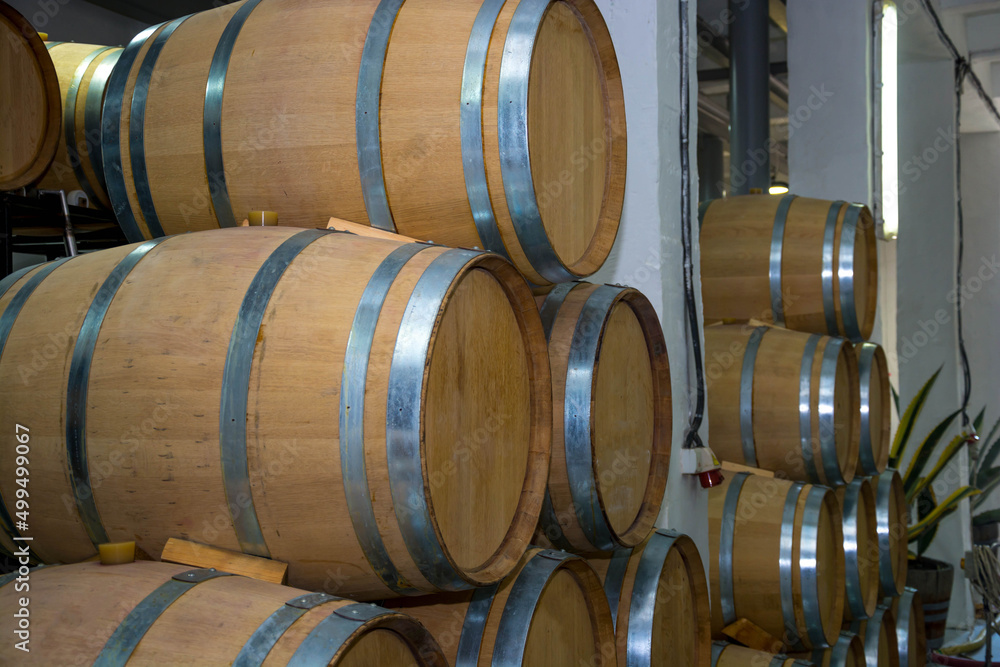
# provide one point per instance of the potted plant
(933, 578)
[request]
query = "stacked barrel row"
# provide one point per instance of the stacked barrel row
(399, 421)
(810, 535)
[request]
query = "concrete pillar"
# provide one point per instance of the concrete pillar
(926, 317)
(648, 253)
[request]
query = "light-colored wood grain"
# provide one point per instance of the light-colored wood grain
(76, 608)
(202, 555)
(67, 58)
(755, 557)
(879, 637)
(567, 141)
(751, 635)
(854, 657)
(477, 457)
(155, 391)
(865, 519)
(681, 630)
(734, 655)
(915, 636)
(624, 419)
(30, 108)
(289, 133)
(776, 410)
(365, 230)
(893, 509)
(879, 406)
(630, 418)
(570, 626)
(735, 251)
(36, 361)
(175, 125)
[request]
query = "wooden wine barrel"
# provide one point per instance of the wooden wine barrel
(659, 600)
(472, 123)
(908, 610)
(30, 106)
(83, 71)
(805, 264)
(876, 410)
(892, 521)
(733, 655)
(550, 611)
(861, 553)
(758, 379)
(148, 613)
(934, 579)
(879, 636)
(611, 418)
(776, 559)
(849, 651)
(218, 389)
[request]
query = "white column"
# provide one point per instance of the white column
(648, 253)
(927, 334)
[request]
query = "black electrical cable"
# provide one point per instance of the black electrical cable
(961, 71)
(692, 438)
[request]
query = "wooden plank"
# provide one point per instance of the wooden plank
(753, 636)
(202, 555)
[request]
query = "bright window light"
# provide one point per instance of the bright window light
(890, 144)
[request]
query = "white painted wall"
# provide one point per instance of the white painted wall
(829, 68)
(981, 273)
(78, 21)
(926, 317)
(648, 253)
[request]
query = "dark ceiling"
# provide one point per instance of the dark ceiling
(156, 11)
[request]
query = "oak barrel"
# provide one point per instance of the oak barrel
(892, 517)
(849, 651)
(611, 418)
(805, 264)
(149, 613)
(878, 634)
(908, 611)
(550, 611)
(83, 71)
(733, 655)
(659, 598)
(374, 413)
(30, 106)
(776, 559)
(760, 378)
(861, 552)
(472, 123)
(876, 410)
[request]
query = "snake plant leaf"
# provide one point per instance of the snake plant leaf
(977, 423)
(990, 452)
(908, 420)
(926, 502)
(993, 431)
(940, 511)
(924, 452)
(924, 541)
(895, 398)
(953, 448)
(990, 479)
